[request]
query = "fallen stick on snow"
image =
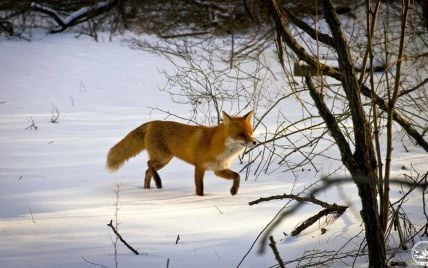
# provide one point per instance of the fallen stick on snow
(275, 252)
(328, 209)
(121, 239)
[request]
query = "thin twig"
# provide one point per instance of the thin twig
(272, 244)
(32, 217)
(261, 233)
(32, 125)
(221, 212)
(93, 263)
(392, 99)
(116, 212)
(405, 92)
(121, 239)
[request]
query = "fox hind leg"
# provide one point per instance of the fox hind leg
(147, 178)
(151, 172)
(153, 167)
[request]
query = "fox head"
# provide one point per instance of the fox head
(239, 130)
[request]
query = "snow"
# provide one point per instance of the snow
(57, 197)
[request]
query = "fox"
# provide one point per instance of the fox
(207, 148)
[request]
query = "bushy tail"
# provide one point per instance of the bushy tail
(128, 147)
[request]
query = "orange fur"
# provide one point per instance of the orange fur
(207, 148)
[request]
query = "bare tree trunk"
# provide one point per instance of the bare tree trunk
(362, 163)
(363, 168)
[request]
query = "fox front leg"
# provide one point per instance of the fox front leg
(230, 175)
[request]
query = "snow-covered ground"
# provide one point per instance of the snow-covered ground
(56, 197)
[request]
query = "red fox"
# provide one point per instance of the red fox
(207, 148)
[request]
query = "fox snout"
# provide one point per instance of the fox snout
(250, 144)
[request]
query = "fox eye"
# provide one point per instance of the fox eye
(240, 135)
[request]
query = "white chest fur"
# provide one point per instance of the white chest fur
(224, 160)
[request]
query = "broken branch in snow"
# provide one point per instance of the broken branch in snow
(326, 184)
(335, 209)
(32, 126)
(272, 244)
(221, 212)
(121, 239)
(81, 15)
(328, 209)
(93, 263)
(294, 197)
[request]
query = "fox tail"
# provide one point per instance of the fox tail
(131, 145)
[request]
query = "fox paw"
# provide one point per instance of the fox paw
(233, 190)
(200, 193)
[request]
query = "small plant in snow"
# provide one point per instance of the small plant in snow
(32, 125)
(54, 114)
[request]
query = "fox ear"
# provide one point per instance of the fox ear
(248, 116)
(227, 119)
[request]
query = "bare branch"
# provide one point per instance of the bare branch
(314, 34)
(79, 16)
(287, 37)
(405, 92)
(328, 209)
(93, 263)
(272, 244)
(331, 123)
(298, 198)
(327, 183)
(121, 238)
(370, 36)
(335, 209)
(32, 125)
(405, 124)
